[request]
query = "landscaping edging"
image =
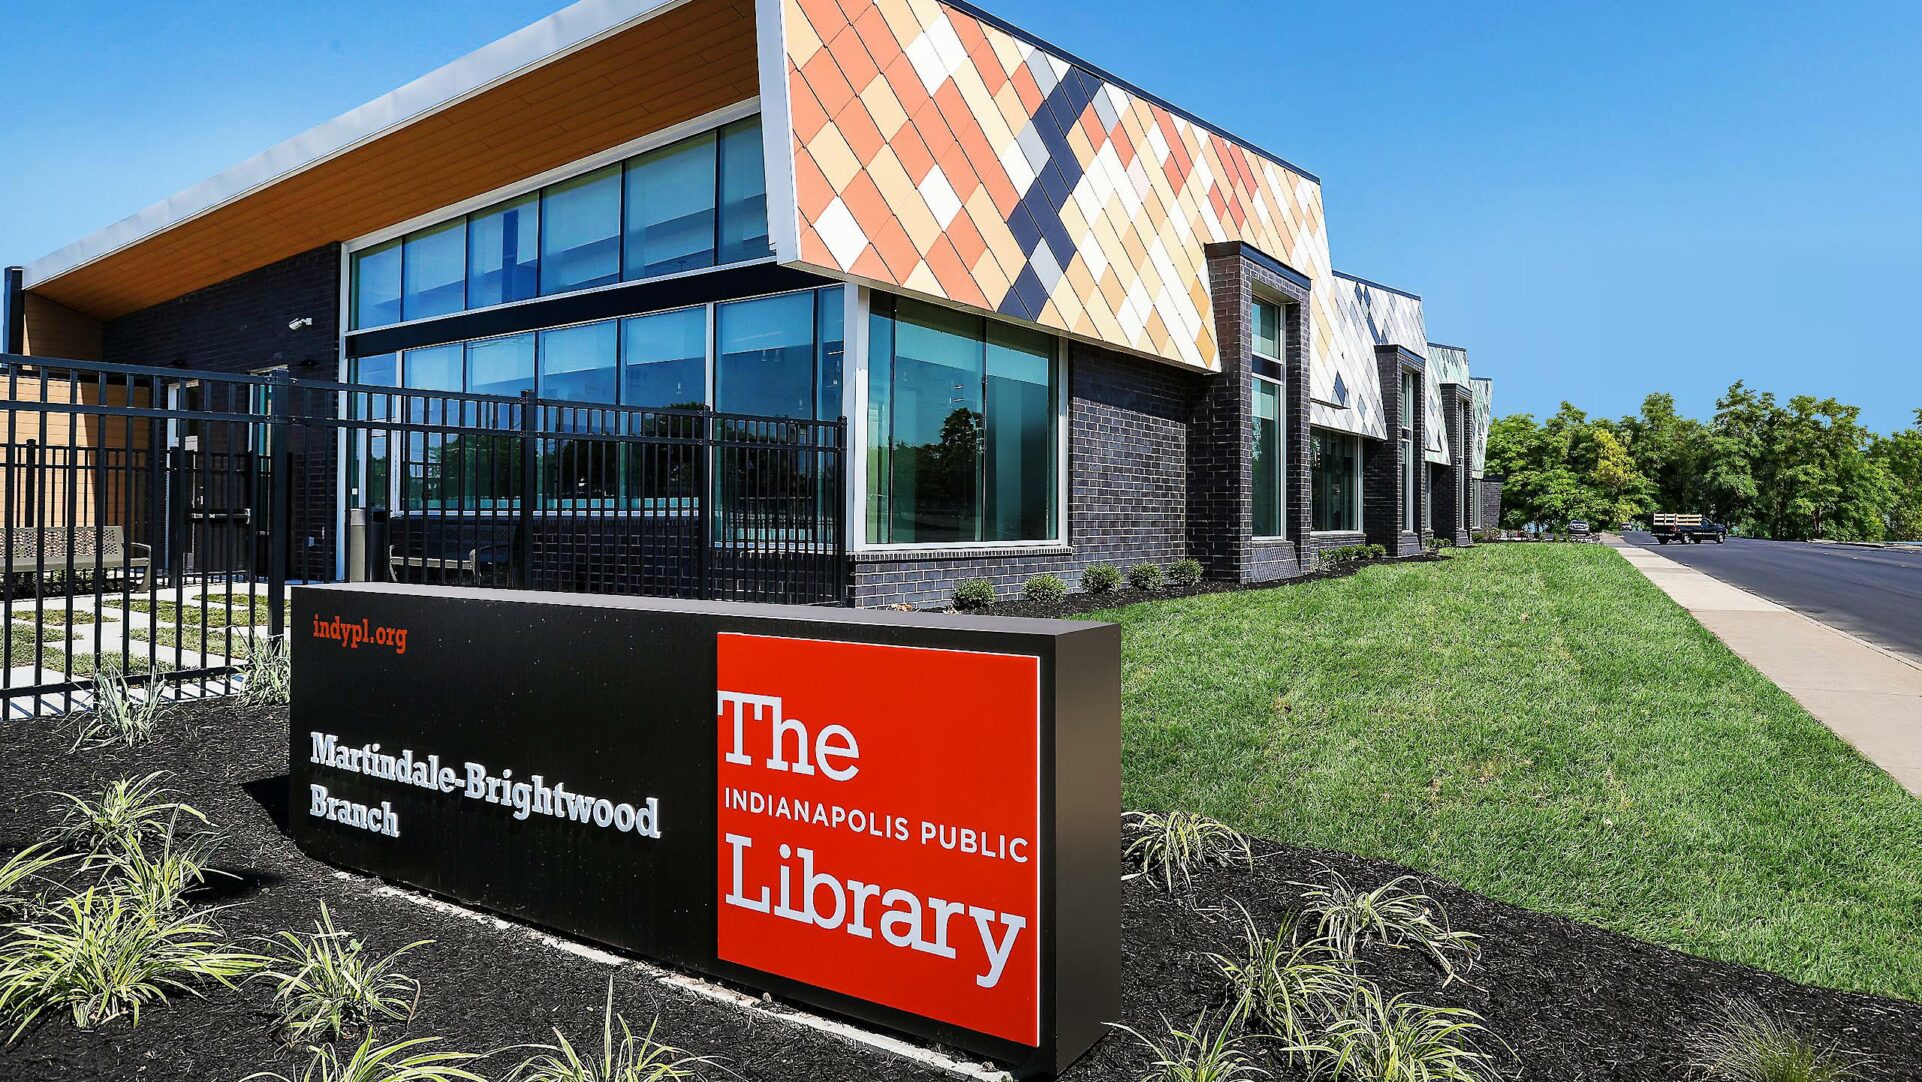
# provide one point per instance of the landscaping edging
(1573, 1001)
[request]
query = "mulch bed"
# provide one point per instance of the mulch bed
(1573, 1001)
(1124, 594)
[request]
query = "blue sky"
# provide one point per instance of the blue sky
(1599, 201)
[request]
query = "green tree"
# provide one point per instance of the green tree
(1900, 458)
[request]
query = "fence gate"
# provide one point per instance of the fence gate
(152, 516)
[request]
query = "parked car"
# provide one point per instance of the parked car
(1578, 530)
(1695, 529)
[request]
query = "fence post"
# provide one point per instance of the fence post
(530, 484)
(280, 527)
(704, 499)
(843, 564)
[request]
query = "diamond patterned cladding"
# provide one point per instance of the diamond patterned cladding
(1060, 199)
(1392, 318)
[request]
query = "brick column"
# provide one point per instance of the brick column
(1221, 431)
(1453, 482)
(1381, 471)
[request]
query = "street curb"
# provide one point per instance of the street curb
(1850, 544)
(1825, 625)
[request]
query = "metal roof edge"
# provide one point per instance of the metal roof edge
(1379, 285)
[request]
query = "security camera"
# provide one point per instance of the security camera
(303, 321)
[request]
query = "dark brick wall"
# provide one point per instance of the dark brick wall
(240, 325)
(1381, 473)
(1491, 504)
(1127, 489)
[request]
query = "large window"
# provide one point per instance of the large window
(1335, 477)
(775, 356)
(670, 209)
(581, 232)
(699, 202)
(504, 253)
(962, 428)
(1270, 332)
(1270, 459)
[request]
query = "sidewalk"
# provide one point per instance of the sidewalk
(1868, 696)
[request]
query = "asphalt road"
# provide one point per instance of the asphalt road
(1875, 594)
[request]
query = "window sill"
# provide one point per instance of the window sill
(961, 550)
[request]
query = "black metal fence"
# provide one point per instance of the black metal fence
(152, 516)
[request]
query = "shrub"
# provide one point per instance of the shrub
(100, 955)
(629, 1060)
(1185, 572)
(1748, 1044)
(125, 815)
(1145, 577)
(1391, 915)
(973, 594)
(1352, 554)
(1100, 578)
(1397, 1041)
(383, 1063)
(120, 716)
(1171, 847)
(328, 985)
(1048, 588)
(1201, 1053)
(1287, 987)
(269, 672)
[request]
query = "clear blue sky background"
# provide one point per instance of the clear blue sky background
(1598, 200)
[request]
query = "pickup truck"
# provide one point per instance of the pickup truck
(1693, 528)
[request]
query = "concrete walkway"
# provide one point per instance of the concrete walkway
(1869, 696)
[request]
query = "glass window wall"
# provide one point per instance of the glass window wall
(693, 204)
(1335, 476)
(962, 428)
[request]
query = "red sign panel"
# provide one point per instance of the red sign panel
(879, 822)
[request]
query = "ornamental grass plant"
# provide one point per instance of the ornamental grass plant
(1746, 1043)
(629, 1058)
(100, 954)
(327, 984)
(1170, 848)
(127, 814)
(1392, 915)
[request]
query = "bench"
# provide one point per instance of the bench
(432, 552)
(44, 550)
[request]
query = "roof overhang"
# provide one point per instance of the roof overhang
(593, 75)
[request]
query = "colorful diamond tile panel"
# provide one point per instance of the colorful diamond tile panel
(937, 154)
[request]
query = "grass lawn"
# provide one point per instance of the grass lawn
(56, 616)
(217, 613)
(188, 638)
(1541, 724)
(22, 639)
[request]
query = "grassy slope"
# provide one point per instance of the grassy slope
(1541, 724)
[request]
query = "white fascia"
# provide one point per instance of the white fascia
(568, 30)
